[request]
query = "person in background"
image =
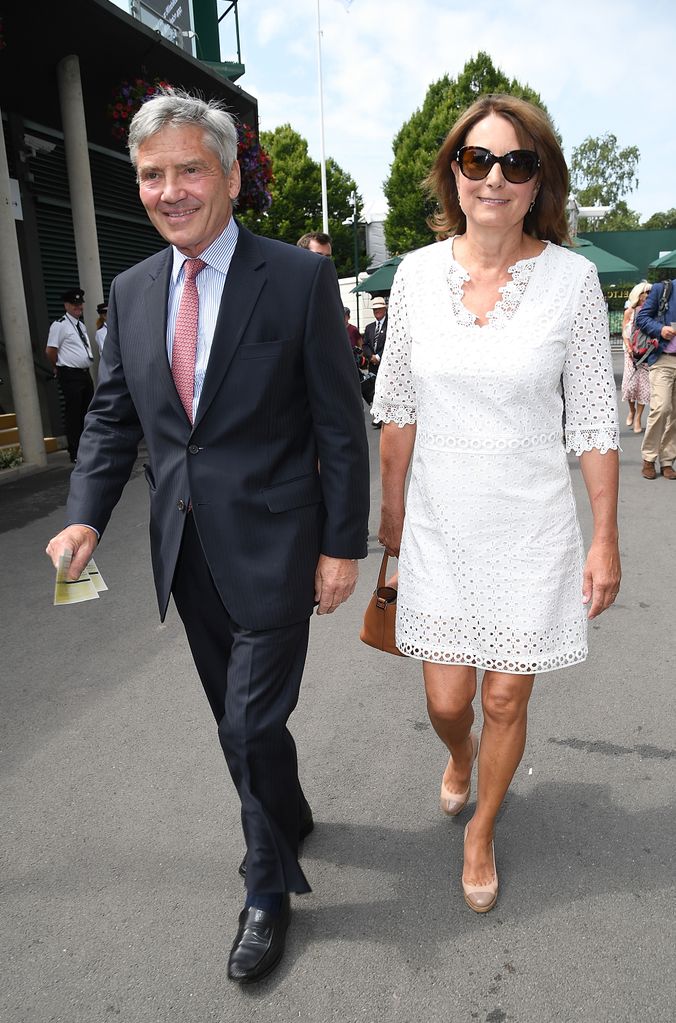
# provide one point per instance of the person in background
(659, 440)
(375, 336)
(352, 332)
(226, 352)
(635, 379)
(360, 360)
(489, 329)
(70, 353)
(316, 241)
(101, 326)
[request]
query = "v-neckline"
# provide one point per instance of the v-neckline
(511, 293)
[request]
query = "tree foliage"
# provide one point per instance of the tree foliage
(661, 221)
(297, 197)
(417, 142)
(620, 219)
(601, 174)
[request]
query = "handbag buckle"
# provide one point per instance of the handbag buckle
(385, 595)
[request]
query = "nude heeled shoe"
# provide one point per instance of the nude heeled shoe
(453, 803)
(481, 898)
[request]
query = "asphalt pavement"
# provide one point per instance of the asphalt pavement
(121, 839)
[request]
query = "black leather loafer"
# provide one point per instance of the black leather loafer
(258, 944)
(306, 826)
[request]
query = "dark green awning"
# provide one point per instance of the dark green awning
(380, 281)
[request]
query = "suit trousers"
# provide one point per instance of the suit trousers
(659, 440)
(78, 390)
(252, 680)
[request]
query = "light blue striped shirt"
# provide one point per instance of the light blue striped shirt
(210, 283)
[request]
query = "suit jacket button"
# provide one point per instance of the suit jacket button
(193, 449)
(181, 505)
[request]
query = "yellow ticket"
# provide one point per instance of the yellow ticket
(96, 577)
(68, 591)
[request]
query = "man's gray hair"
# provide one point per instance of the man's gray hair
(174, 108)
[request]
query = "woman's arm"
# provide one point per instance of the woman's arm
(396, 448)
(602, 572)
(394, 404)
(626, 327)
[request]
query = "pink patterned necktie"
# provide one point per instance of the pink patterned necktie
(184, 346)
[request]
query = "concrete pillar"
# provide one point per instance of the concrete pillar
(15, 327)
(81, 191)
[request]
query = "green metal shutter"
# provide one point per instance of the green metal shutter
(125, 235)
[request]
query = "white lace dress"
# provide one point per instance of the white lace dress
(490, 571)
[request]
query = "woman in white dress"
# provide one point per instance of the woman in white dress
(490, 330)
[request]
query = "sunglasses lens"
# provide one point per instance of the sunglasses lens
(475, 162)
(519, 166)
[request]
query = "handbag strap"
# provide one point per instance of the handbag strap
(382, 575)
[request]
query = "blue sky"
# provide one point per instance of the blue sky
(599, 66)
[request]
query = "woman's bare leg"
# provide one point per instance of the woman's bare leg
(450, 689)
(638, 426)
(504, 700)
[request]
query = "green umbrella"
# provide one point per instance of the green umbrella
(380, 281)
(611, 268)
(667, 262)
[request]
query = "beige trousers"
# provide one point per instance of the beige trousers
(659, 440)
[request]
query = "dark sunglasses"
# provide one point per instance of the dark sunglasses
(518, 166)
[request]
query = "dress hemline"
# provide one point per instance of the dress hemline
(507, 667)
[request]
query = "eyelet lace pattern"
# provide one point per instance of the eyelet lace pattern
(491, 562)
(511, 293)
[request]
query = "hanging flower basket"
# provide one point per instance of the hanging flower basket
(129, 97)
(256, 167)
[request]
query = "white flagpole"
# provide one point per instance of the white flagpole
(325, 200)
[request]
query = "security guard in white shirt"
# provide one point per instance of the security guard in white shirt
(101, 325)
(69, 351)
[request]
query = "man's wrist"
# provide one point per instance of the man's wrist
(86, 525)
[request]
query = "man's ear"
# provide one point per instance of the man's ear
(234, 180)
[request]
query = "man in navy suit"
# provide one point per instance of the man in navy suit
(226, 353)
(375, 333)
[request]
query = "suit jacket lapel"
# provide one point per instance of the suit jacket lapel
(156, 298)
(243, 285)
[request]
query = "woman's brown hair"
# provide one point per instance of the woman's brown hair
(547, 219)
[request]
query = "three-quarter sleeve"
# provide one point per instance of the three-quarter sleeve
(588, 380)
(394, 399)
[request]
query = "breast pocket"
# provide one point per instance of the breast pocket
(261, 350)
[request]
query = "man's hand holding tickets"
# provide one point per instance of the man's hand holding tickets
(80, 542)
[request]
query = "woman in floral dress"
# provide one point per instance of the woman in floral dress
(635, 379)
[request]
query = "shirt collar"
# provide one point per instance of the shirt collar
(218, 255)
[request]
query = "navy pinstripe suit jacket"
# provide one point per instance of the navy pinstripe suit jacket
(276, 462)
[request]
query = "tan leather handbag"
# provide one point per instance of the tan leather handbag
(378, 628)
